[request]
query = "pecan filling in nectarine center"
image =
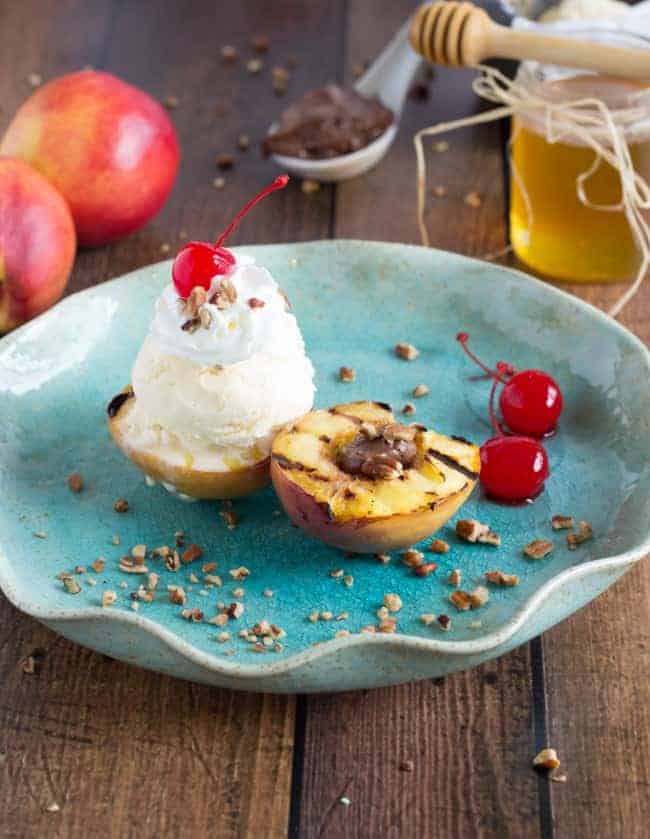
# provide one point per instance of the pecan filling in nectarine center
(379, 454)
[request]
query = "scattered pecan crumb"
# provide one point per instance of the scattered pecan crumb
(239, 573)
(179, 538)
(260, 43)
(225, 295)
(584, 533)
(425, 569)
(455, 576)
(173, 561)
(538, 548)
(121, 505)
(427, 618)
(267, 592)
(213, 580)
(219, 183)
(341, 633)
(222, 637)
(473, 199)
(108, 598)
(71, 585)
(383, 559)
(313, 617)
(546, 759)
(116, 539)
(464, 600)
(219, 620)
(243, 142)
(347, 374)
(171, 102)
(342, 616)
(208, 567)
(309, 186)
(230, 518)
(326, 616)
(412, 558)
(439, 191)
(224, 160)
(348, 581)
(501, 579)
(235, 610)
(393, 602)
(409, 409)
(420, 390)
(98, 565)
(387, 626)
(254, 66)
(239, 592)
(152, 581)
(368, 630)
(562, 522)
(190, 554)
(406, 351)
(76, 482)
(80, 569)
(132, 565)
(280, 76)
(194, 615)
(28, 665)
(471, 530)
(177, 595)
(40, 534)
(444, 622)
(382, 612)
(336, 573)
(139, 551)
(229, 54)
(256, 303)
(438, 546)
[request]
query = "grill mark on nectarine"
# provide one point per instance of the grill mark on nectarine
(117, 401)
(453, 464)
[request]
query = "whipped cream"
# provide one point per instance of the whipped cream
(215, 398)
(236, 333)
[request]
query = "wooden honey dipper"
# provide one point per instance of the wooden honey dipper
(462, 35)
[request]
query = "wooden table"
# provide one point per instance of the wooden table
(127, 753)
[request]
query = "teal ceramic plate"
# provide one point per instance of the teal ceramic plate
(354, 301)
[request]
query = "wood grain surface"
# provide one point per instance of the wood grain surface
(127, 753)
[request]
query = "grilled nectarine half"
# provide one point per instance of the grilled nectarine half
(176, 473)
(360, 481)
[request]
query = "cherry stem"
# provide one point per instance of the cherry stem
(493, 414)
(462, 339)
(279, 183)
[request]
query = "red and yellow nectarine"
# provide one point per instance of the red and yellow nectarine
(37, 243)
(108, 147)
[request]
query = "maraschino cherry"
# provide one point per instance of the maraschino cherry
(197, 263)
(531, 400)
(515, 467)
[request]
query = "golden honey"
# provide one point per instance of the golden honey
(554, 232)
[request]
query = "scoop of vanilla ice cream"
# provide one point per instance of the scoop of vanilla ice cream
(215, 397)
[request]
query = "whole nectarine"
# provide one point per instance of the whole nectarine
(37, 243)
(108, 147)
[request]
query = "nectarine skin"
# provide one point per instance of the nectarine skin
(370, 535)
(108, 147)
(195, 483)
(37, 243)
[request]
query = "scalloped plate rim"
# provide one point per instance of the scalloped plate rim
(484, 644)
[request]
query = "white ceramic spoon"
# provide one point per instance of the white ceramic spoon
(389, 78)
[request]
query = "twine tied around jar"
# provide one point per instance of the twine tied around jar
(587, 120)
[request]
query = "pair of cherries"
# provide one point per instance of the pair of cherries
(515, 466)
(198, 263)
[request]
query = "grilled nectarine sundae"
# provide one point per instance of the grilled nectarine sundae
(360, 481)
(222, 370)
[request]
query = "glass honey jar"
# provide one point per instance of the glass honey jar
(554, 230)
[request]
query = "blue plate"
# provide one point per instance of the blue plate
(354, 301)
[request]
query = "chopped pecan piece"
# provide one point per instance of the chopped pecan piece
(501, 579)
(562, 522)
(225, 295)
(393, 602)
(454, 577)
(425, 569)
(420, 390)
(194, 615)
(438, 546)
(584, 533)
(76, 482)
(471, 530)
(444, 622)
(546, 759)
(406, 351)
(347, 374)
(190, 554)
(538, 548)
(412, 558)
(177, 595)
(464, 600)
(121, 505)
